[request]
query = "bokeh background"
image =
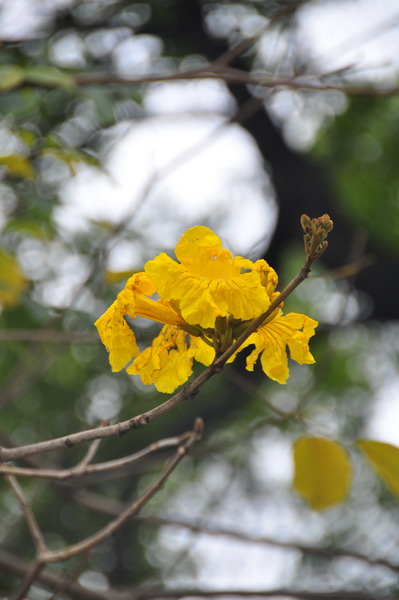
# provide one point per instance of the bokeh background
(116, 135)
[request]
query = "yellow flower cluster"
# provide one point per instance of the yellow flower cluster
(206, 299)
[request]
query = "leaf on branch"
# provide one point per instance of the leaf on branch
(385, 460)
(19, 165)
(48, 76)
(12, 280)
(11, 76)
(323, 472)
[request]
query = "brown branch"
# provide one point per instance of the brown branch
(29, 516)
(98, 503)
(84, 468)
(131, 510)
(17, 566)
(269, 593)
(11, 563)
(32, 574)
(239, 76)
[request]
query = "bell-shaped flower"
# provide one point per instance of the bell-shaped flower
(205, 299)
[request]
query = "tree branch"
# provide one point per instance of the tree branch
(29, 516)
(84, 468)
(132, 509)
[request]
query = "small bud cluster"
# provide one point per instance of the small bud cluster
(316, 231)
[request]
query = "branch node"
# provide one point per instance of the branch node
(137, 423)
(68, 443)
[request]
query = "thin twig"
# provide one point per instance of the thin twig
(268, 593)
(29, 516)
(131, 510)
(32, 574)
(96, 502)
(83, 468)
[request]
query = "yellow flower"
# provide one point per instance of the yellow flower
(271, 338)
(208, 282)
(205, 301)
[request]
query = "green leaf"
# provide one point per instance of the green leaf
(30, 227)
(385, 460)
(11, 76)
(71, 157)
(12, 280)
(17, 164)
(323, 472)
(27, 136)
(49, 77)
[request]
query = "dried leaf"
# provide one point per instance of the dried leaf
(12, 281)
(385, 460)
(323, 472)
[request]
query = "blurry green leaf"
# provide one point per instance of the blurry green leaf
(27, 136)
(11, 76)
(30, 227)
(70, 157)
(17, 164)
(12, 280)
(385, 460)
(323, 473)
(48, 76)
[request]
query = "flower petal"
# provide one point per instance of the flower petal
(271, 340)
(203, 298)
(166, 362)
(117, 337)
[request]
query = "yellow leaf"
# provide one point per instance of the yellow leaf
(17, 165)
(11, 76)
(12, 281)
(385, 460)
(323, 473)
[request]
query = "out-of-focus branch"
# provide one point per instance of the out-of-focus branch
(98, 503)
(28, 514)
(237, 76)
(11, 563)
(38, 540)
(46, 336)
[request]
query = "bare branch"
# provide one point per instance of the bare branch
(131, 510)
(276, 593)
(84, 468)
(14, 564)
(29, 516)
(98, 503)
(31, 575)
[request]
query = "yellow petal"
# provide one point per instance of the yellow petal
(385, 460)
(166, 362)
(271, 340)
(117, 337)
(203, 299)
(323, 473)
(201, 351)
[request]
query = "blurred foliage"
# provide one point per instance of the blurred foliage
(363, 141)
(56, 284)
